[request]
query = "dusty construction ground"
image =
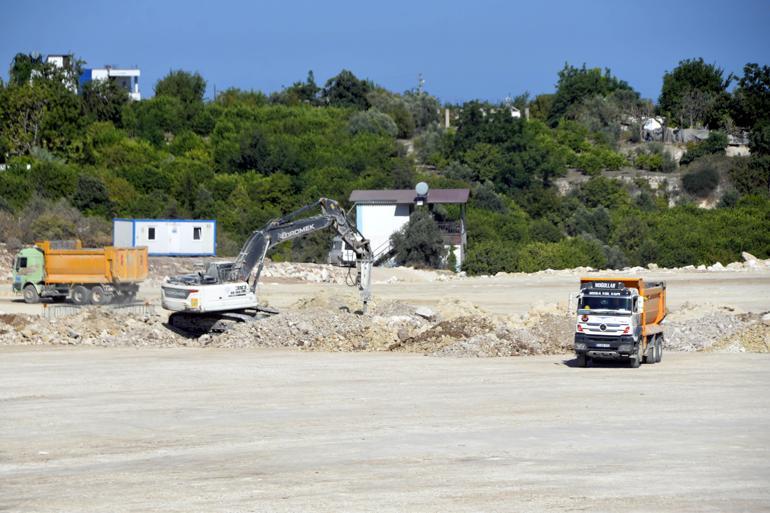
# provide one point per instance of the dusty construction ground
(207, 430)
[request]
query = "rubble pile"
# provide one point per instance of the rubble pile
(160, 267)
(93, 326)
(313, 273)
(327, 322)
(708, 328)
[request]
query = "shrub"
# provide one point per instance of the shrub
(484, 196)
(701, 182)
(568, 253)
(372, 121)
(590, 163)
(752, 175)
(490, 257)
(715, 143)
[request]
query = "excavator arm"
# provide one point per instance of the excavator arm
(248, 266)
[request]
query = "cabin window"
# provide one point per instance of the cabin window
(151, 233)
(196, 233)
(21, 263)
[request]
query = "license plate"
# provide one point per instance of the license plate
(602, 345)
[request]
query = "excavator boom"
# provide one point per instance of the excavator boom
(231, 286)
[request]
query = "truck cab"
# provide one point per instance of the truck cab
(28, 271)
(614, 321)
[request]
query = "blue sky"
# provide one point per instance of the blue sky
(464, 50)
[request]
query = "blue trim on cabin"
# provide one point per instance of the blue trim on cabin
(166, 220)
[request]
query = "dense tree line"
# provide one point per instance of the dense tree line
(74, 161)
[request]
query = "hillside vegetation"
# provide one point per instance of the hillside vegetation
(73, 162)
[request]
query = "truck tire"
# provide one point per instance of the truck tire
(80, 295)
(636, 359)
(581, 360)
(30, 295)
(659, 354)
(650, 355)
(98, 296)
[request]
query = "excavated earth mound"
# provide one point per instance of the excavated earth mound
(327, 322)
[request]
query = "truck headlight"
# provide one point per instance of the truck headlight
(580, 345)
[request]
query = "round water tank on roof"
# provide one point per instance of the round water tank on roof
(421, 189)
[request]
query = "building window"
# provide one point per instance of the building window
(151, 233)
(196, 233)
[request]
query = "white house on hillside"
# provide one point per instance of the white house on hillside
(381, 213)
(127, 78)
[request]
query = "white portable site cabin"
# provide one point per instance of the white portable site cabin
(167, 237)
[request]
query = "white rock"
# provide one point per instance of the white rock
(735, 266)
(425, 313)
(652, 266)
(717, 267)
(701, 267)
(748, 257)
(766, 319)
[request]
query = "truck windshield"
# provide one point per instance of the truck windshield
(604, 303)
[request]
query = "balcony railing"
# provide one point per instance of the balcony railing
(451, 227)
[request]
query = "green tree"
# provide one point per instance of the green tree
(103, 100)
(188, 89)
(695, 93)
(346, 90)
(751, 103)
(419, 243)
(372, 122)
(577, 84)
(759, 139)
(91, 196)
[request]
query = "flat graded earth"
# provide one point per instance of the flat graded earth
(181, 429)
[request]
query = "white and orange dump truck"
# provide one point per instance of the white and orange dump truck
(620, 318)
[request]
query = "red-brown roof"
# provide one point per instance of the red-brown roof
(409, 196)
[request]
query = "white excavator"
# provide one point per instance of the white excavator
(226, 293)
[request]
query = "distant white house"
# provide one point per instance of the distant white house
(127, 78)
(167, 237)
(381, 213)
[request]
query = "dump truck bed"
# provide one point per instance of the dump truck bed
(97, 265)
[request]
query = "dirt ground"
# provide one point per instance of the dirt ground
(158, 422)
(512, 294)
(181, 429)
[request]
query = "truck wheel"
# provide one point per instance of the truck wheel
(30, 295)
(652, 351)
(99, 297)
(80, 295)
(581, 360)
(659, 352)
(636, 360)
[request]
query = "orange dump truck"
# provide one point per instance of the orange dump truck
(620, 318)
(59, 270)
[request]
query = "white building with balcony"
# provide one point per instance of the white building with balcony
(127, 78)
(381, 213)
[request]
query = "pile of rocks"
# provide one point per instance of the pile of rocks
(92, 326)
(313, 273)
(706, 328)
